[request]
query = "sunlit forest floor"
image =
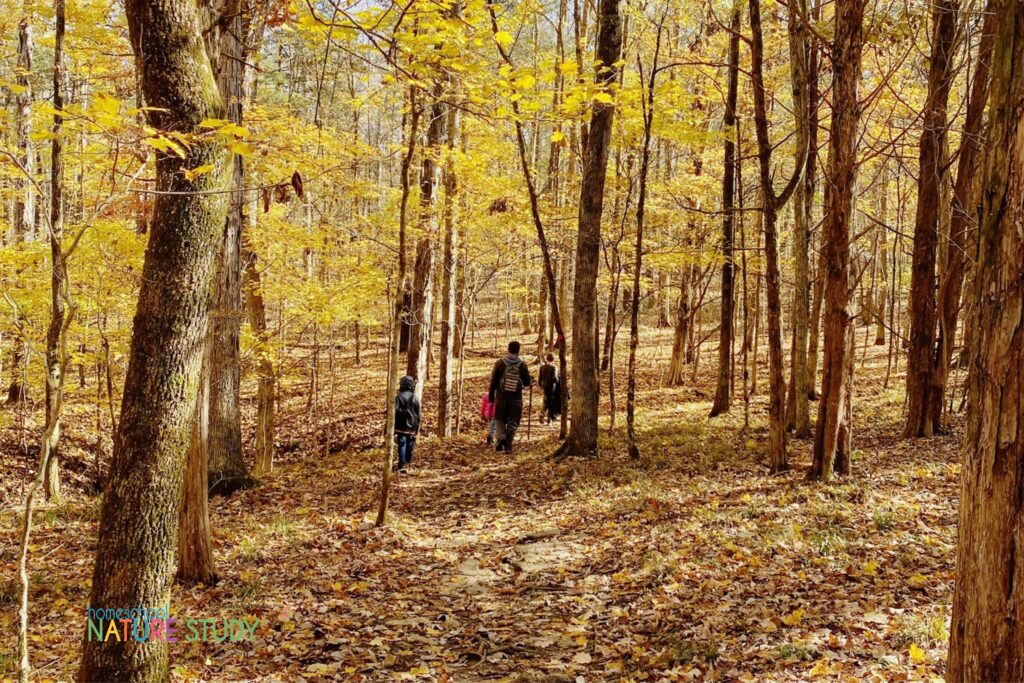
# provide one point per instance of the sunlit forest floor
(691, 564)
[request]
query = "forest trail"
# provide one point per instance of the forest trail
(689, 565)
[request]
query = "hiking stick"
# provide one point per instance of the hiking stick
(529, 413)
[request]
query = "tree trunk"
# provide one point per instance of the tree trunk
(227, 470)
(135, 552)
(582, 439)
(59, 294)
(926, 225)
(803, 197)
(399, 313)
(195, 545)
(423, 277)
(771, 204)
(842, 175)
(962, 228)
(267, 389)
(449, 280)
(987, 628)
(723, 390)
(678, 360)
(24, 189)
(634, 312)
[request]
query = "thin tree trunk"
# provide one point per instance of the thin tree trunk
(842, 175)
(723, 393)
(634, 315)
(772, 203)
(803, 197)
(135, 553)
(962, 228)
(926, 226)
(59, 288)
(24, 189)
(398, 314)
(267, 388)
(449, 279)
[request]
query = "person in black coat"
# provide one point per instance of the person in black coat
(508, 378)
(407, 421)
(547, 378)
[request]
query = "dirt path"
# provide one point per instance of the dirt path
(689, 565)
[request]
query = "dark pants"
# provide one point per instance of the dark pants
(406, 444)
(508, 411)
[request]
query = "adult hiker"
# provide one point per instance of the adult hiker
(508, 378)
(547, 379)
(407, 421)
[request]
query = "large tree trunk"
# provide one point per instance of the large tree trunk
(135, 552)
(926, 225)
(987, 629)
(723, 390)
(842, 174)
(226, 46)
(582, 439)
(962, 229)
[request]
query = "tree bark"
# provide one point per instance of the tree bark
(582, 438)
(399, 313)
(772, 203)
(962, 230)
(423, 272)
(449, 280)
(842, 175)
(195, 545)
(723, 390)
(987, 628)
(227, 470)
(926, 225)
(59, 293)
(24, 189)
(803, 197)
(135, 552)
(266, 393)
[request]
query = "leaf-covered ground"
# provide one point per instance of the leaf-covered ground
(691, 564)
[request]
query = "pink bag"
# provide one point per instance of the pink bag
(486, 408)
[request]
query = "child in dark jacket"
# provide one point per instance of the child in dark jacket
(407, 421)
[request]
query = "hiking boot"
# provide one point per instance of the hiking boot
(402, 470)
(490, 439)
(501, 446)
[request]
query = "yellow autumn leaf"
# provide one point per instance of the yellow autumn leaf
(504, 38)
(192, 173)
(794, 618)
(870, 568)
(916, 654)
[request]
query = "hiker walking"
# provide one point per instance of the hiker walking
(508, 378)
(547, 379)
(407, 421)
